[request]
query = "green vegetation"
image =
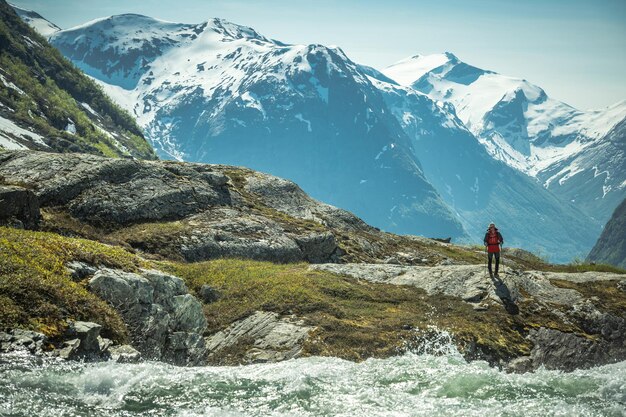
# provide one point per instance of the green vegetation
(609, 298)
(51, 89)
(355, 319)
(36, 291)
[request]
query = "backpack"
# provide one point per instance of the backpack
(493, 239)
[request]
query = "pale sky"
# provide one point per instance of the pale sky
(573, 49)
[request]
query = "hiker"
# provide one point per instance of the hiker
(493, 240)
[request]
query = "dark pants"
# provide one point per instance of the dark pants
(497, 255)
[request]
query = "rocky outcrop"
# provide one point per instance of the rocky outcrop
(472, 283)
(82, 341)
(286, 197)
(253, 215)
(595, 336)
(165, 322)
(18, 207)
(261, 337)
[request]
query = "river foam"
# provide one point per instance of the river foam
(407, 385)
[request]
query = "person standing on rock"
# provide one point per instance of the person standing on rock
(493, 240)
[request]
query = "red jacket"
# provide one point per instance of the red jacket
(493, 241)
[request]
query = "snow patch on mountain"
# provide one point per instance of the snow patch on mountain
(42, 26)
(14, 137)
(408, 70)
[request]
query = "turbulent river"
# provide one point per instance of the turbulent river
(408, 385)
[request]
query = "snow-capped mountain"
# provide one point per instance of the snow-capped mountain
(519, 124)
(480, 188)
(219, 92)
(42, 26)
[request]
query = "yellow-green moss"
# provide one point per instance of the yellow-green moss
(36, 291)
(606, 295)
(355, 319)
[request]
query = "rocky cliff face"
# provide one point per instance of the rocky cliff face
(611, 245)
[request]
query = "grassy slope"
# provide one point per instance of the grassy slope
(354, 319)
(53, 87)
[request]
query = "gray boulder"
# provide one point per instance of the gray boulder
(18, 207)
(165, 322)
(83, 342)
(69, 350)
(87, 333)
(208, 294)
(265, 336)
(125, 354)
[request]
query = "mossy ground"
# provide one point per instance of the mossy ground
(354, 319)
(36, 291)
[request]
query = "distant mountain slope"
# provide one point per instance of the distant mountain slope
(219, 92)
(482, 189)
(47, 104)
(41, 25)
(611, 246)
(350, 136)
(565, 148)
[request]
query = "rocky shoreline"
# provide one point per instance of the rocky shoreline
(154, 229)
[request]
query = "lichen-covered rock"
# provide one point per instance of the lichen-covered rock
(319, 247)
(18, 207)
(19, 339)
(164, 321)
(261, 337)
(97, 189)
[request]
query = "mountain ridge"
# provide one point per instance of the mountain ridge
(303, 111)
(519, 124)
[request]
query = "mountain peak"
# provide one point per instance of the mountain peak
(234, 30)
(41, 25)
(452, 57)
(408, 70)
